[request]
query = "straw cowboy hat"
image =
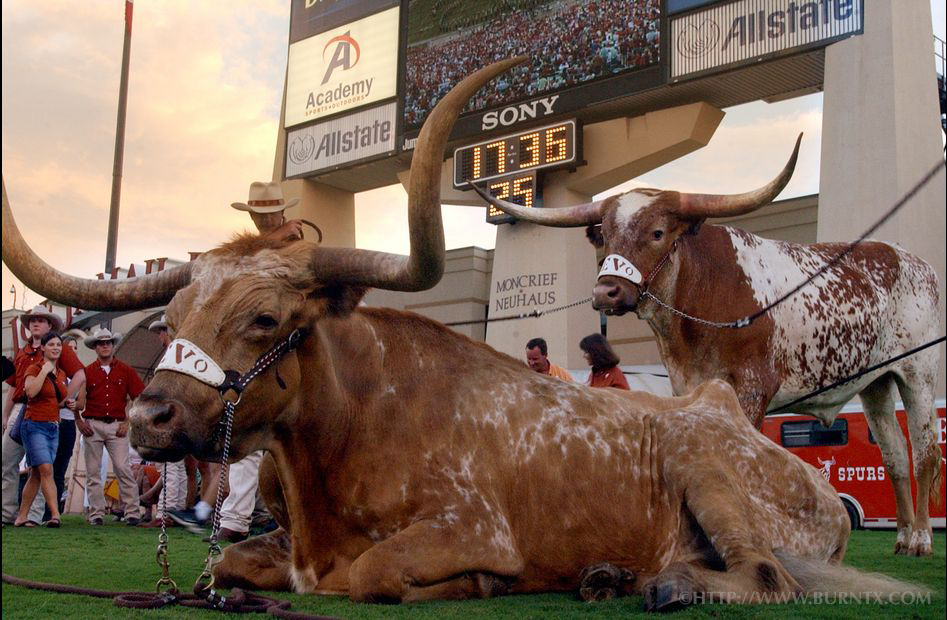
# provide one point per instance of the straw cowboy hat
(40, 312)
(161, 323)
(101, 335)
(265, 198)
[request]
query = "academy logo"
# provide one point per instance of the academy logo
(341, 54)
(343, 68)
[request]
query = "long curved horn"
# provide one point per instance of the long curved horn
(424, 267)
(127, 294)
(587, 214)
(716, 205)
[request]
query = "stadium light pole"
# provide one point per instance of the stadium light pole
(112, 240)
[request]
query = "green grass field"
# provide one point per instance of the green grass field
(120, 558)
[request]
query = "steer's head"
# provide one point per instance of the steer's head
(640, 229)
(244, 298)
(233, 304)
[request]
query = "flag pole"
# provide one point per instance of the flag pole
(112, 241)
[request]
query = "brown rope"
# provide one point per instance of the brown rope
(239, 601)
(317, 229)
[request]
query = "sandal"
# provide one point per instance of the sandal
(53, 523)
(27, 523)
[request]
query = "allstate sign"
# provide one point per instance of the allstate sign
(342, 140)
(745, 31)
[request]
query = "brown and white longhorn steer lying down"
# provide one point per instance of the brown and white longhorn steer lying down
(879, 302)
(409, 462)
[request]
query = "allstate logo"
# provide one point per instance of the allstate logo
(301, 149)
(696, 41)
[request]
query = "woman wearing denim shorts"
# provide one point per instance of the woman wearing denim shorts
(45, 387)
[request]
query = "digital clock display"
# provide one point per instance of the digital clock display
(519, 189)
(543, 147)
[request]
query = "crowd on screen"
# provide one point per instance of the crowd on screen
(567, 43)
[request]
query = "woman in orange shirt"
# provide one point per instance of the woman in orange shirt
(45, 388)
(604, 363)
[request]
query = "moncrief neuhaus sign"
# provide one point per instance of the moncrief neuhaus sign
(525, 290)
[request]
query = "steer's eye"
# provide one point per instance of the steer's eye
(265, 321)
(658, 235)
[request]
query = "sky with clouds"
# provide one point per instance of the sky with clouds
(203, 112)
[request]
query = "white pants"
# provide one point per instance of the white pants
(244, 477)
(104, 437)
(12, 455)
(174, 487)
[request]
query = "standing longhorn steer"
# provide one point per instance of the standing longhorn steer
(877, 303)
(408, 462)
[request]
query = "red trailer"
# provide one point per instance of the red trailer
(849, 458)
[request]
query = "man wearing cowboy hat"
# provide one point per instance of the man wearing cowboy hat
(111, 384)
(39, 321)
(265, 206)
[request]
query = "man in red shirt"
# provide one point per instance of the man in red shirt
(111, 385)
(39, 321)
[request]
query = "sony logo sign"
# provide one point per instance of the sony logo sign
(516, 113)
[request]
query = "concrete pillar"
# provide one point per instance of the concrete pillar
(881, 133)
(539, 268)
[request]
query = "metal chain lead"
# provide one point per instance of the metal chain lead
(526, 315)
(162, 554)
(730, 324)
(204, 585)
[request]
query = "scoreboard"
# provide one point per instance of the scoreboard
(521, 189)
(508, 166)
(543, 147)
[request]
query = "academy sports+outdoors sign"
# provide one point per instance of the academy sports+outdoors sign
(347, 67)
(737, 33)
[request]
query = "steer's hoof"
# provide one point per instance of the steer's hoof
(667, 595)
(905, 540)
(920, 543)
(603, 582)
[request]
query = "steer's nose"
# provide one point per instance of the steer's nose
(610, 295)
(604, 293)
(152, 414)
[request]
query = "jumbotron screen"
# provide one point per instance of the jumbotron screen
(580, 52)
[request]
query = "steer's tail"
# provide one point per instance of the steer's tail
(938, 460)
(819, 576)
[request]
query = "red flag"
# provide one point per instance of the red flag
(129, 4)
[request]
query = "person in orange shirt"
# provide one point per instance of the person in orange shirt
(604, 363)
(536, 351)
(45, 389)
(38, 321)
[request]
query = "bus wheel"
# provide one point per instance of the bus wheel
(852, 514)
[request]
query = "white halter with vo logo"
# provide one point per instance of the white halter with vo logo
(620, 267)
(187, 358)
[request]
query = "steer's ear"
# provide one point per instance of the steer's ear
(594, 235)
(694, 227)
(340, 300)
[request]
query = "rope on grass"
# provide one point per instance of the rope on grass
(239, 600)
